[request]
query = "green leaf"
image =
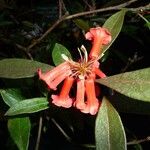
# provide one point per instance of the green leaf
(148, 25)
(57, 54)
(20, 68)
(11, 96)
(28, 106)
(109, 130)
(82, 24)
(135, 84)
(114, 24)
(19, 129)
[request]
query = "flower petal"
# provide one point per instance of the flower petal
(92, 101)
(51, 75)
(63, 100)
(99, 36)
(58, 101)
(53, 84)
(79, 103)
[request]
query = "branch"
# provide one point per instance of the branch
(39, 133)
(24, 49)
(139, 141)
(69, 139)
(61, 130)
(47, 32)
(67, 17)
(60, 8)
(147, 7)
(118, 7)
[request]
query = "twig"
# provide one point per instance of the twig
(67, 17)
(47, 32)
(147, 7)
(88, 5)
(24, 50)
(61, 130)
(39, 133)
(139, 141)
(144, 18)
(131, 61)
(60, 8)
(134, 142)
(118, 7)
(69, 139)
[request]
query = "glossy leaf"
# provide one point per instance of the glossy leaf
(11, 96)
(19, 129)
(135, 84)
(114, 24)
(28, 106)
(109, 130)
(57, 53)
(20, 68)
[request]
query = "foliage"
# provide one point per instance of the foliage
(25, 100)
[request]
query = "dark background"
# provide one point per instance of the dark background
(22, 22)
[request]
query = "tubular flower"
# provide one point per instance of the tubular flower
(79, 103)
(63, 100)
(100, 73)
(99, 36)
(53, 77)
(84, 72)
(59, 79)
(92, 103)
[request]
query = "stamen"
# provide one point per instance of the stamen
(85, 53)
(80, 54)
(84, 67)
(101, 55)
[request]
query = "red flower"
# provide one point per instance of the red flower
(99, 36)
(92, 103)
(79, 103)
(99, 73)
(63, 99)
(84, 72)
(59, 79)
(55, 76)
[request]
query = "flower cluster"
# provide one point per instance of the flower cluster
(83, 73)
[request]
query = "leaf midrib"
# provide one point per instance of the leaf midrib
(20, 137)
(107, 118)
